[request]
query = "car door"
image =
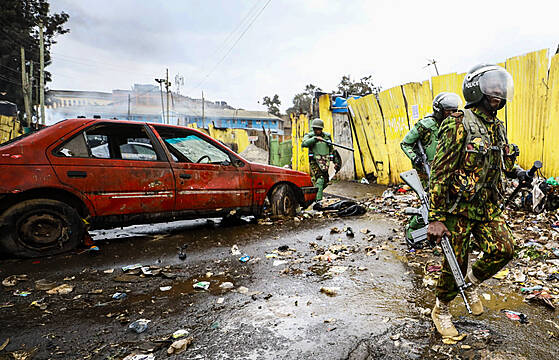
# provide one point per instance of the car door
(207, 177)
(120, 167)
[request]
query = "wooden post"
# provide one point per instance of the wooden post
(42, 72)
(25, 88)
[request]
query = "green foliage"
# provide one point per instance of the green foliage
(302, 101)
(364, 86)
(272, 104)
(20, 19)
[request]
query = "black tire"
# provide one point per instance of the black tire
(283, 201)
(40, 227)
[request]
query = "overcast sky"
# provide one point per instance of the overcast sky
(113, 44)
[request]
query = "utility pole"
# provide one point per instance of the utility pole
(203, 114)
(30, 82)
(128, 117)
(25, 88)
(160, 81)
(434, 63)
(42, 72)
(167, 88)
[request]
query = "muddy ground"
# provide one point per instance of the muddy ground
(275, 309)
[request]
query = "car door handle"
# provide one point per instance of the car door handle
(185, 176)
(76, 174)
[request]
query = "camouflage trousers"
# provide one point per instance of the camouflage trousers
(319, 178)
(493, 238)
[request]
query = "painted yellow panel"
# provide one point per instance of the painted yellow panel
(419, 100)
(551, 142)
(396, 127)
(294, 144)
(9, 128)
(326, 114)
(369, 139)
(448, 82)
(238, 137)
(526, 113)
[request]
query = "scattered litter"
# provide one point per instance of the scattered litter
(531, 289)
(182, 251)
(135, 356)
(235, 250)
(434, 268)
(328, 291)
(126, 278)
(13, 280)
(220, 300)
(44, 285)
(226, 285)
(335, 230)
(119, 296)
(279, 262)
(109, 271)
(165, 288)
(131, 267)
(61, 290)
(242, 290)
(179, 333)
(349, 232)
(516, 316)
(146, 270)
(283, 248)
(388, 194)
(364, 231)
(364, 181)
(336, 270)
(139, 326)
(501, 274)
(486, 296)
(41, 304)
(202, 285)
(541, 297)
(244, 258)
(179, 346)
(451, 340)
(318, 237)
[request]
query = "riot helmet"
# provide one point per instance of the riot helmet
(445, 101)
(487, 80)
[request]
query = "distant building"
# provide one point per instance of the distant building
(144, 103)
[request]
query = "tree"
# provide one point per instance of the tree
(20, 19)
(364, 86)
(272, 104)
(302, 101)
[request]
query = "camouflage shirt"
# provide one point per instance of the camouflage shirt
(460, 183)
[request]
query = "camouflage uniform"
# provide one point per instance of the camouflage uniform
(426, 131)
(467, 192)
(320, 155)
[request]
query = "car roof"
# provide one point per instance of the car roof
(117, 121)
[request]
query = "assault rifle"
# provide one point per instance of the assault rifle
(338, 145)
(412, 179)
(423, 157)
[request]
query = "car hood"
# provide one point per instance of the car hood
(274, 169)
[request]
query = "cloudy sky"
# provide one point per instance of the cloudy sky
(113, 44)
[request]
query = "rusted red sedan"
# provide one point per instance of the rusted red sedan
(95, 173)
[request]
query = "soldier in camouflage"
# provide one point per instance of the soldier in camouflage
(320, 155)
(425, 131)
(466, 188)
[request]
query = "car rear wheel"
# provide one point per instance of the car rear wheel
(283, 201)
(40, 227)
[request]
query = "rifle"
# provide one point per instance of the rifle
(412, 179)
(338, 145)
(423, 157)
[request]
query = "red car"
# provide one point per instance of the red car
(84, 174)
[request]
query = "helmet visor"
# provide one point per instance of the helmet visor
(450, 101)
(497, 83)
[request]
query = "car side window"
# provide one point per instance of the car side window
(111, 141)
(189, 147)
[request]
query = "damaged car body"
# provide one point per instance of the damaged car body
(84, 174)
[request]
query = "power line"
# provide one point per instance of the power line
(232, 46)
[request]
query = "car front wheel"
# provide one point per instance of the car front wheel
(40, 227)
(283, 201)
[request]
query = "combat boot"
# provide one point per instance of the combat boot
(443, 320)
(472, 295)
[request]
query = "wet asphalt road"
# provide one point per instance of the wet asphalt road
(379, 310)
(282, 315)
